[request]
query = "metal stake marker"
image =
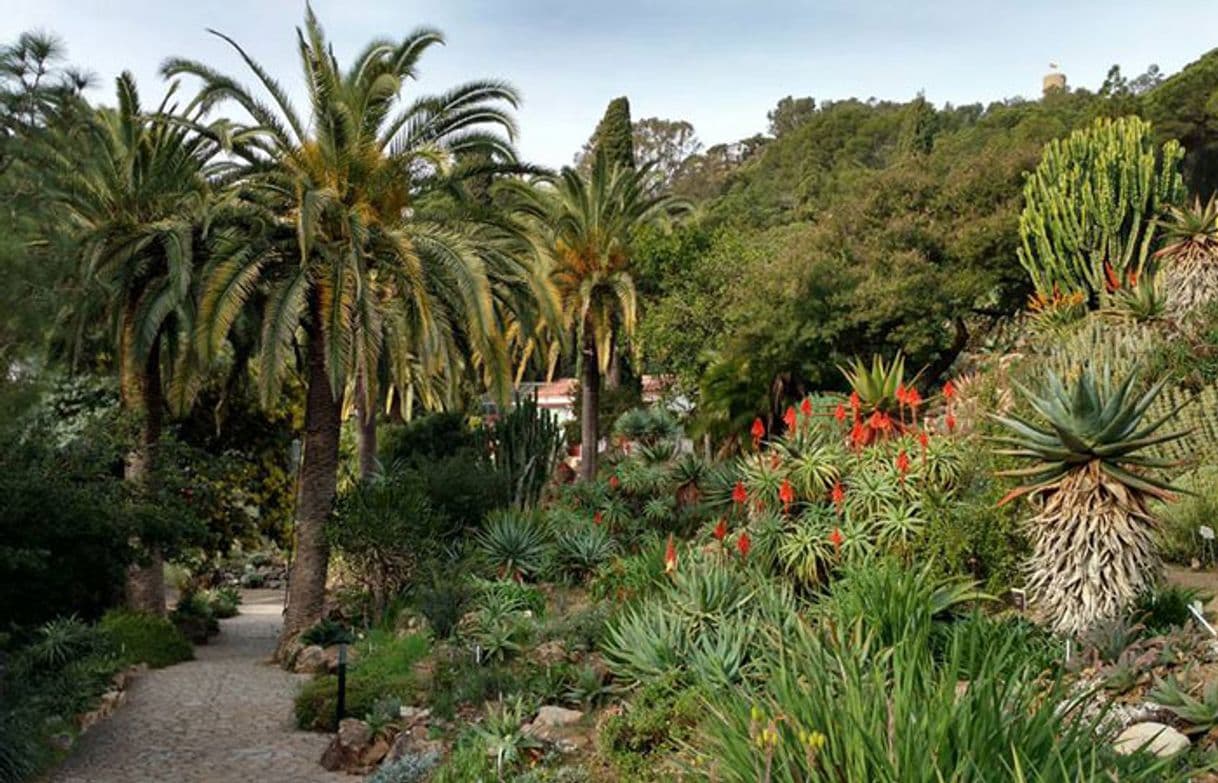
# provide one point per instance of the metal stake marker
(341, 706)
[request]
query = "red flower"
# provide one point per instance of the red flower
(901, 393)
(597, 518)
(739, 495)
(786, 493)
(858, 435)
(758, 431)
(902, 463)
(924, 441)
(839, 412)
(743, 544)
(949, 390)
(855, 402)
(614, 482)
(838, 495)
(789, 419)
(720, 531)
(805, 407)
(1133, 277)
(1114, 282)
(951, 423)
(670, 556)
(912, 398)
(835, 538)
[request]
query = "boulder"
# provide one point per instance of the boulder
(330, 656)
(550, 653)
(413, 716)
(413, 742)
(349, 746)
(1158, 738)
(551, 716)
(310, 660)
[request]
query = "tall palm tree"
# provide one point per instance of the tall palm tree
(134, 187)
(347, 257)
(584, 229)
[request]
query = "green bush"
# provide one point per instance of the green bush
(224, 601)
(145, 638)
(652, 726)
(382, 667)
(195, 617)
(326, 632)
(1180, 521)
(1165, 608)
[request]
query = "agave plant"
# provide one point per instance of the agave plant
(513, 544)
(1189, 258)
(1140, 299)
(1093, 535)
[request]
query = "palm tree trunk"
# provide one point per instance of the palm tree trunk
(590, 393)
(141, 391)
(365, 416)
(315, 495)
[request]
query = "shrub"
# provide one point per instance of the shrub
(513, 544)
(224, 601)
(1180, 521)
(410, 768)
(326, 632)
(442, 599)
(653, 725)
(145, 638)
(383, 667)
(1165, 608)
(195, 618)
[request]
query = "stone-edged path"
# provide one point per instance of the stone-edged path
(226, 716)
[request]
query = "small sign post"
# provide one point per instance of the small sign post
(341, 703)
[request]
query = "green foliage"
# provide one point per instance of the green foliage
(195, 617)
(513, 544)
(582, 549)
(435, 436)
(646, 425)
(525, 444)
(654, 723)
(1091, 204)
(326, 632)
(1180, 521)
(502, 735)
(1200, 712)
(614, 137)
(410, 768)
(1166, 607)
(382, 667)
(382, 528)
(143, 638)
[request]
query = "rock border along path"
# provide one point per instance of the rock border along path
(225, 716)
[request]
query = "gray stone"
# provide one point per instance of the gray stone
(551, 715)
(1158, 738)
(310, 660)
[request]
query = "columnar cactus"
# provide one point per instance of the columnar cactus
(1090, 206)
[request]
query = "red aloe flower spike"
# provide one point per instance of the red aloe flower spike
(1114, 282)
(743, 544)
(670, 556)
(839, 412)
(786, 493)
(901, 393)
(597, 518)
(835, 538)
(913, 399)
(614, 482)
(902, 463)
(876, 421)
(805, 407)
(838, 495)
(858, 436)
(951, 423)
(739, 494)
(758, 431)
(855, 402)
(1133, 278)
(720, 531)
(949, 390)
(789, 419)
(924, 442)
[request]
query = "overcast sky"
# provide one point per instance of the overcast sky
(720, 65)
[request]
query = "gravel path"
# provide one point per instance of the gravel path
(226, 716)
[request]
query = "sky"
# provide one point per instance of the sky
(719, 65)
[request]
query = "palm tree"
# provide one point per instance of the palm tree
(134, 188)
(347, 257)
(584, 231)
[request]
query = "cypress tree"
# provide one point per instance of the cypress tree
(614, 135)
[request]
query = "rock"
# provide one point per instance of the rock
(413, 716)
(310, 660)
(1163, 740)
(413, 742)
(347, 749)
(330, 655)
(373, 754)
(551, 715)
(550, 653)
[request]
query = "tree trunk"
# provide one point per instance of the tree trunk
(315, 495)
(590, 392)
(613, 378)
(145, 586)
(365, 417)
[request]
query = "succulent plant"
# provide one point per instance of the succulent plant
(1093, 546)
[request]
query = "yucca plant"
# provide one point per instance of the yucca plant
(1189, 257)
(513, 545)
(1093, 534)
